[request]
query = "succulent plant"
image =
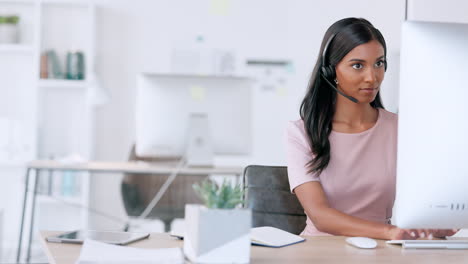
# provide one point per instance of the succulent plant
(9, 19)
(222, 196)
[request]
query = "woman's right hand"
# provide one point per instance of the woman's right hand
(397, 233)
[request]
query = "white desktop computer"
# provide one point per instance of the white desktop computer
(193, 116)
(432, 170)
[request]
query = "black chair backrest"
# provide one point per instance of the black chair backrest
(268, 195)
(139, 189)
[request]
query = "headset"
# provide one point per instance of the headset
(328, 71)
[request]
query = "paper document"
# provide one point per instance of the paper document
(94, 252)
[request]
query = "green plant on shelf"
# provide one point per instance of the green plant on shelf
(9, 19)
(220, 196)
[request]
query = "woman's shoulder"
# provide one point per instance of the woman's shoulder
(388, 121)
(295, 126)
(388, 116)
(295, 129)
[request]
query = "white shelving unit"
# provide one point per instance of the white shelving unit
(44, 118)
(48, 83)
(16, 48)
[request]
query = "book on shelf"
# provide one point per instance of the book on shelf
(53, 69)
(44, 71)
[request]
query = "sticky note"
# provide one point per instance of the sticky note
(220, 7)
(281, 91)
(197, 93)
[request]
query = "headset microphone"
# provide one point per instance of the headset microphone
(354, 100)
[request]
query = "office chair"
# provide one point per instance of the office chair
(267, 194)
(139, 189)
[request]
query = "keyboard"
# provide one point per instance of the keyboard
(431, 244)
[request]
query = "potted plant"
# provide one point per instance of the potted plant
(9, 29)
(219, 230)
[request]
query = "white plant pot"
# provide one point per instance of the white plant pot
(2, 237)
(8, 33)
(217, 235)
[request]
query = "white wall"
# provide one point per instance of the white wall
(135, 36)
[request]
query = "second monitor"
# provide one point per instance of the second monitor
(165, 103)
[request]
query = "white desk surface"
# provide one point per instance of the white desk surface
(326, 249)
(132, 167)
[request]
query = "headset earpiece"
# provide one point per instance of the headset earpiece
(328, 72)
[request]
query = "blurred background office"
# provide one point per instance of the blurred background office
(70, 71)
(145, 36)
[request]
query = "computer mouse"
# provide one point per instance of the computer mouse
(362, 242)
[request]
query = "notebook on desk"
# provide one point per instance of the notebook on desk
(266, 236)
(449, 243)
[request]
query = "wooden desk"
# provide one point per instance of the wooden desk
(104, 167)
(326, 249)
(131, 167)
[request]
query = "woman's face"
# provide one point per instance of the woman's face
(361, 71)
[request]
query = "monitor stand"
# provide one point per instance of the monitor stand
(199, 148)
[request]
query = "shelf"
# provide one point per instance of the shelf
(68, 3)
(56, 83)
(16, 48)
(23, 2)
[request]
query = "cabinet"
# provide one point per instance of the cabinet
(448, 11)
(41, 117)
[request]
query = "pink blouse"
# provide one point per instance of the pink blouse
(360, 177)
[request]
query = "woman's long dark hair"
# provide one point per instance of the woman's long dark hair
(318, 106)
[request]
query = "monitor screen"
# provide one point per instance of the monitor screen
(165, 102)
(432, 170)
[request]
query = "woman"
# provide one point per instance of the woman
(342, 153)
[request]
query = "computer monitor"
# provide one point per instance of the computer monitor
(432, 170)
(165, 103)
